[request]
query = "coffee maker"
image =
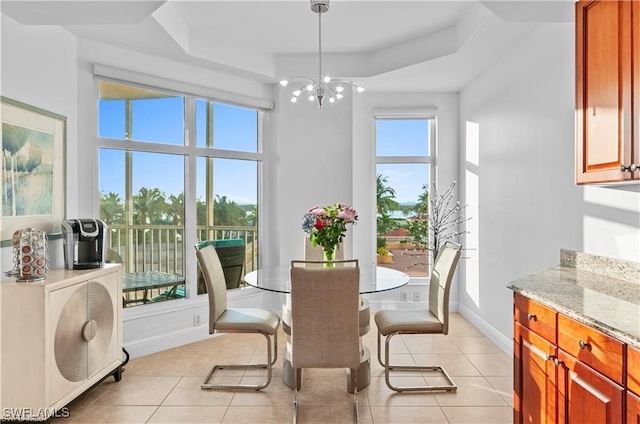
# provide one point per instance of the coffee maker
(84, 243)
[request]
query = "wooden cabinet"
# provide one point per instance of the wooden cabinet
(586, 396)
(534, 378)
(607, 89)
(633, 409)
(633, 385)
(590, 375)
(535, 372)
(568, 372)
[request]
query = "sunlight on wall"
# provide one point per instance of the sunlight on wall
(471, 193)
(612, 198)
(607, 238)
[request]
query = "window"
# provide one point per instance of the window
(147, 163)
(403, 176)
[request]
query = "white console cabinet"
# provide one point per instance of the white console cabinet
(59, 336)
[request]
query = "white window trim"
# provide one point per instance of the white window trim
(429, 113)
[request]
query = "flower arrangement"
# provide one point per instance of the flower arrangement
(327, 226)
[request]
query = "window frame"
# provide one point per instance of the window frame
(190, 152)
(429, 114)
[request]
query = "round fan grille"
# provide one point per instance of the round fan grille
(79, 352)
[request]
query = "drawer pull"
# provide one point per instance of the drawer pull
(584, 345)
(532, 317)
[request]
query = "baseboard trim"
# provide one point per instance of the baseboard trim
(503, 342)
(162, 342)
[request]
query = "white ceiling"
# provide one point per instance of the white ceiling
(382, 45)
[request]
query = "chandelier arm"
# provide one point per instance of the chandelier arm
(320, 89)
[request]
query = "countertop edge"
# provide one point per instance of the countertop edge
(584, 319)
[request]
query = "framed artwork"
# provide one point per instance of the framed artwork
(33, 169)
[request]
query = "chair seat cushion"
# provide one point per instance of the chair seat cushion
(421, 321)
(248, 319)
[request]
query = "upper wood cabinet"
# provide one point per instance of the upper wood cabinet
(607, 88)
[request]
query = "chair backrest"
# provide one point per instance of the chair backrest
(231, 253)
(215, 282)
(440, 283)
(325, 302)
(315, 253)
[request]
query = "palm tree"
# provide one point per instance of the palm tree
(385, 196)
(111, 208)
(175, 209)
(149, 206)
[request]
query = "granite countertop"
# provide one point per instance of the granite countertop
(609, 304)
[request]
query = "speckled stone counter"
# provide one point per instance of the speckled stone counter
(611, 305)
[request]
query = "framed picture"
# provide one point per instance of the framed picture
(33, 169)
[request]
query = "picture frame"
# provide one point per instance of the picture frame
(33, 177)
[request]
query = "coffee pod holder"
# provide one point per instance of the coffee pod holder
(30, 255)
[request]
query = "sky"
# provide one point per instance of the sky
(161, 120)
(403, 137)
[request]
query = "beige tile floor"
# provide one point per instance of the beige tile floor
(165, 387)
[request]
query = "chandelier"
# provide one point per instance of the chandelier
(324, 86)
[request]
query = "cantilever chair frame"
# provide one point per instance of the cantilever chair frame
(272, 352)
(433, 291)
(345, 328)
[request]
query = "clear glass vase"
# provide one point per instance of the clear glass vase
(329, 254)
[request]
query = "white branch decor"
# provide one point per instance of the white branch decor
(444, 218)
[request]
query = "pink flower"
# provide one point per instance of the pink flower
(348, 214)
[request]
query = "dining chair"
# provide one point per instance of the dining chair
(434, 320)
(325, 308)
(240, 320)
(315, 254)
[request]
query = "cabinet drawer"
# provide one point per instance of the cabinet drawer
(633, 369)
(592, 347)
(536, 317)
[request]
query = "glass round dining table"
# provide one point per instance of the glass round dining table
(373, 279)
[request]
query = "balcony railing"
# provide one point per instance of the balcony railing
(160, 248)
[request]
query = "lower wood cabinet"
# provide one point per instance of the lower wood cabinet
(569, 372)
(534, 378)
(633, 409)
(586, 396)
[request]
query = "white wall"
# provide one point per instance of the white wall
(364, 168)
(48, 67)
(39, 69)
(310, 163)
(529, 206)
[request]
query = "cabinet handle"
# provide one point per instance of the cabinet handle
(584, 345)
(532, 317)
(550, 357)
(631, 168)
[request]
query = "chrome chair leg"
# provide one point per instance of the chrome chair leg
(272, 356)
(450, 387)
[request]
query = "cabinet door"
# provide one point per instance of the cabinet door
(633, 409)
(585, 396)
(635, 147)
(534, 399)
(603, 91)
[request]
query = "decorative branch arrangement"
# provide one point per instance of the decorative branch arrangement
(444, 218)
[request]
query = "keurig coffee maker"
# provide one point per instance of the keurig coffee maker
(84, 242)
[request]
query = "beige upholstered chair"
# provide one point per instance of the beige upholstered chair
(434, 320)
(223, 320)
(325, 306)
